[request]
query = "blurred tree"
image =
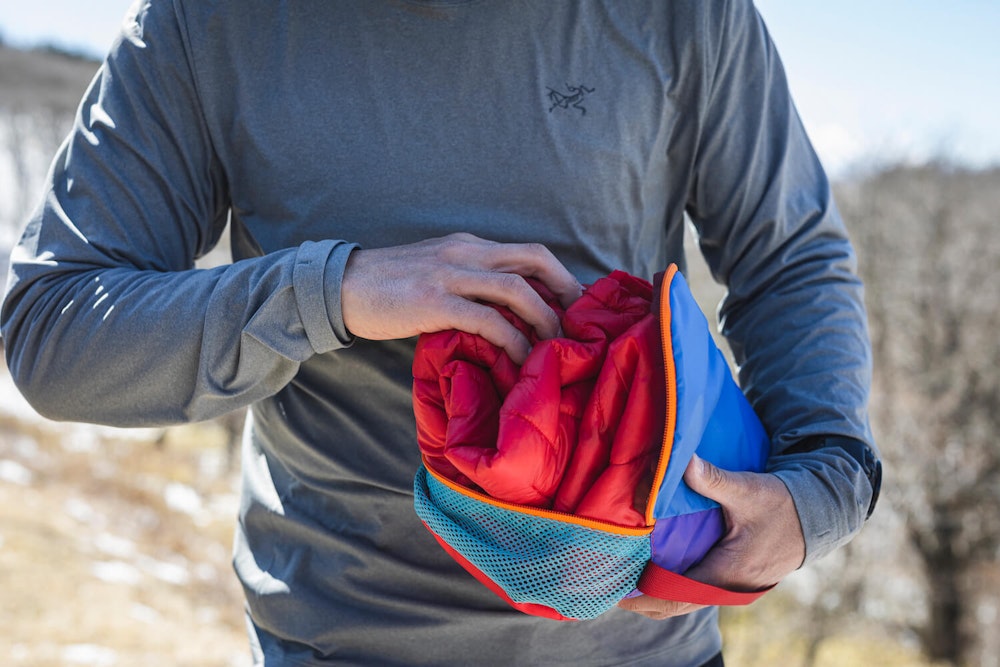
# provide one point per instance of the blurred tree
(39, 90)
(929, 246)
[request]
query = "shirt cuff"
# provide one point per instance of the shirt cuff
(832, 495)
(317, 276)
(332, 282)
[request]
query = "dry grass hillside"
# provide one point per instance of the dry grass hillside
(114, 551)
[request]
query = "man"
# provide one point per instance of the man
(363, 153)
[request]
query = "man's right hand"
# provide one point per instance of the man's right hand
(440, 284)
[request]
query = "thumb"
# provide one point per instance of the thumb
(711, 481)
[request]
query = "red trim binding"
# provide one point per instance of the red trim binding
(666, 585)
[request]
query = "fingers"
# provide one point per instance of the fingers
(528, 260)
(440, 284)
(656, 608)
(763, 540)
(510, 290)
(502, 268)
(713, 482)
(486, 322)
(536, 261)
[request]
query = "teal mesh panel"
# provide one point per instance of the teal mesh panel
(580, 572)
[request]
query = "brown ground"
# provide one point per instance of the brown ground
(113, 550)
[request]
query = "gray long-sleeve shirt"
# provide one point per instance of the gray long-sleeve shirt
(317, 126)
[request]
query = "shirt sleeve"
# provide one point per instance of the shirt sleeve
(105, 317)
(794, 312)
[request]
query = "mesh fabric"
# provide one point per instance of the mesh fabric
(580, 572)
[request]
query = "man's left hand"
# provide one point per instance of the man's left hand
(763, 542)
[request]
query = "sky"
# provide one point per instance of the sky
(875, 81)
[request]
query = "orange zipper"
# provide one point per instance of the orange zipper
(671, 382)
(553, 515)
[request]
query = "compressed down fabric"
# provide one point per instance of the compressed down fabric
(558, 484)
(574, 430)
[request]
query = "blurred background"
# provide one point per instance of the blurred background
(114, 544)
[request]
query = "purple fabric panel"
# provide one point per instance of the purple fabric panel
(678, 542)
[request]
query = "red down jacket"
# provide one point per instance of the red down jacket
(574, 430)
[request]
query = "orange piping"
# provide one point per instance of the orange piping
(671, 380)
(553, 515)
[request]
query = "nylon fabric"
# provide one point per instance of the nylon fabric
(713, 419)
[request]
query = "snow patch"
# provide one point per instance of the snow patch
(13, 472)
(182, 498)
(89, 654)
(117, 547)
(170, 573)
(116, 572)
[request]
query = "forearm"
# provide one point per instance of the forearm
(798, 331)
(130, 347)
(794, 311)
(799, 335)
